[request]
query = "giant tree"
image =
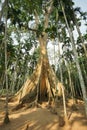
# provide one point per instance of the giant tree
(43, 78)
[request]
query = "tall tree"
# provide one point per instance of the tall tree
(76, 60)
(43, 77)
(6, 119)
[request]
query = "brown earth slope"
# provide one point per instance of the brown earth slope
(41, 118)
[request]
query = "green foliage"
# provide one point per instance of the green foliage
(2, 27)
(52, 31)
(21, 12)
(85, 37)
(20, 61)
(40, 30)
(55, 3)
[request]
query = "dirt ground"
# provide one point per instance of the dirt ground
(41, 118)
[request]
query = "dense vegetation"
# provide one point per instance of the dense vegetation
(23, 50)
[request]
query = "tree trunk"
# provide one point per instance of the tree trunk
(62, 86)
(6, 118)
(80, 35)
(71, 85)
(42, 77)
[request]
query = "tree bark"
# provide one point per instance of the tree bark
(6, 118)
(79, 33)
(62, 86)
(42, 77)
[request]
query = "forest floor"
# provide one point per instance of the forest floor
(42, 118)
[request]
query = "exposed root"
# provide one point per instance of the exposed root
(26, 127)
(19, 106)
(26, 106)
(74, 108)
(13, 98)
(34, 104)
(69, 115)
(49, 105)
(61, 121)
(54, 110)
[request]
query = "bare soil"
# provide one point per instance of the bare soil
(42, 118)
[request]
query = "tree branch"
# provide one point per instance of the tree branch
(34, 30)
